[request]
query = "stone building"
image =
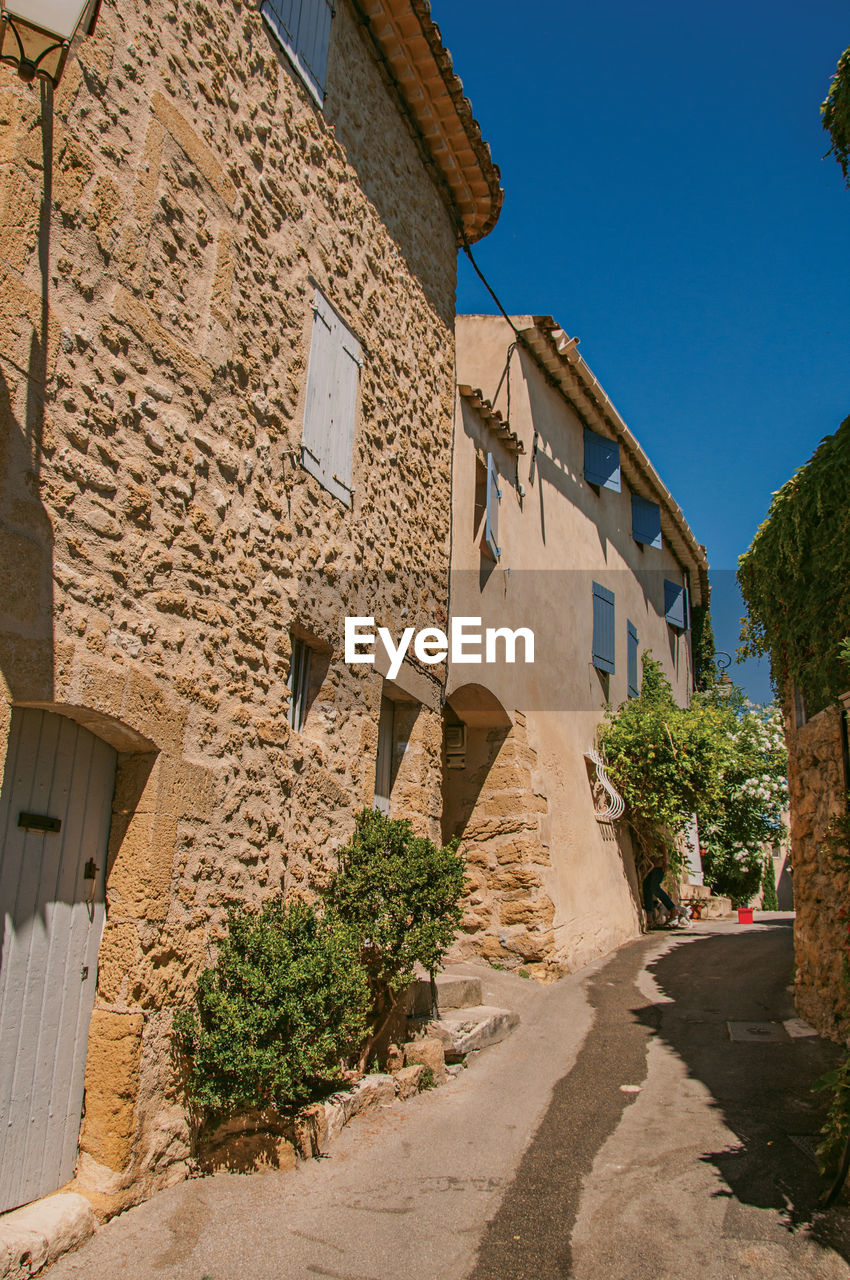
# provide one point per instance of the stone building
(226, 400)
(818, 786)
(561, 525)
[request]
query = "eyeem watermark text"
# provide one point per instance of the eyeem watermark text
(464, 643)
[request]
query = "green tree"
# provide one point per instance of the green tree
(400, 895)
(835, 115)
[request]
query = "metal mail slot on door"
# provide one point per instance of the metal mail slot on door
(39, 822)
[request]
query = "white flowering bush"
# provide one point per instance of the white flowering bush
(743, 815)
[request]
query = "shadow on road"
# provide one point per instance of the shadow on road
(762, 1087)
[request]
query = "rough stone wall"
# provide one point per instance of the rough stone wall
(817, 790)
(495, 804)
(163, 225)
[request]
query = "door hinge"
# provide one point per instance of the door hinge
(90, 872)
(84, 972)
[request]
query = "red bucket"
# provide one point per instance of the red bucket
(745, 915)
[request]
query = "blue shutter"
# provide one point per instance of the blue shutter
(303, 27)
(675, 605)
(632, 661)
(314, 33)
(282, 16)
(646, 521)
(601, 461)
(494, 497)
(603, 628)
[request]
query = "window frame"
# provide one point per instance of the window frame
(298, 682)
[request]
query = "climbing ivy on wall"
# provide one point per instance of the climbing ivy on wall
(835, 114)
(702, 633)
(795, 578)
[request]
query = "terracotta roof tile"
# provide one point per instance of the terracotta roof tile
(409, 43)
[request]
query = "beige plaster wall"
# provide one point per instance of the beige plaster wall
(163, 226)
(556, 540)
(817, 789)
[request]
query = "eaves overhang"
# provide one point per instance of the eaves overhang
(413, 57)
(556, 353)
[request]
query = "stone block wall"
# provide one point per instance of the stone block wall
(495, 804)
(164, 223)
(818, 798)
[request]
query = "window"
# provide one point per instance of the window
(632, 660)
(303, 27)
(601, 461)
(646, 521)
(385, 759)
(327, 441)
(299, 682)
(676, 604)
(494, 497)
(603, 628)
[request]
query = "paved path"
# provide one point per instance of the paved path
(535, 1163)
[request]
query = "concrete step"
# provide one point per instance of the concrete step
(454, 991)
(462, 1031)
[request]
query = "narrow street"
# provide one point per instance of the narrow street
(640, 1122)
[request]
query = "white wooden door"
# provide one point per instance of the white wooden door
(52, 887)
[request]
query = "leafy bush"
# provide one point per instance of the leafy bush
(284, 1005)
(795, 578)
(722, 760)
(400, 894)
(835, 115)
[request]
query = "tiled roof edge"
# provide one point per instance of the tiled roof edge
(421, 70)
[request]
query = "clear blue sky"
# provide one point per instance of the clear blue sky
(667, 201)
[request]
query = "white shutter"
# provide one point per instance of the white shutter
(331, 402)
(494, 497)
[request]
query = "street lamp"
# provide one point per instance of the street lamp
(36, 36)
(724, 684)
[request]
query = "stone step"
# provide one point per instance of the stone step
(462, 1031)
(714, 908)
(454, 991)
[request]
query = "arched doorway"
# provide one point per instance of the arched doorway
(55, 810)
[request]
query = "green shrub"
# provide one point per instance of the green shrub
(770, 902)
(285, 1003)
(400, 894)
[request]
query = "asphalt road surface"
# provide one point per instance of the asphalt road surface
(651, 1117)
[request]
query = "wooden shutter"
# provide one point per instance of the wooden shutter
(601, 461)
(303, 27)
(282, 16)
(646, 521)
(332, 378)
(632, 660)
(604, 638)
(314, 32)
(52, 894)
(675, 605)
(494, 497)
